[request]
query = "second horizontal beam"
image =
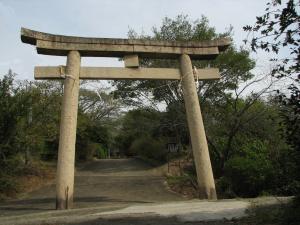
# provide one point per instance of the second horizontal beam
(119, 73)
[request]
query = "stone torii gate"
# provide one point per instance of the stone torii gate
(130, 50)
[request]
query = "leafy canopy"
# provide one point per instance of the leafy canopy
(235, 65)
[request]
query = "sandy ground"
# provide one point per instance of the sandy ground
(118, 191)
(107, 184)
(101, 183)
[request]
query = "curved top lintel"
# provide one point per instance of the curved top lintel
(58, 45)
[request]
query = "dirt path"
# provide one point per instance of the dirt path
(122, 192)
(109, 184)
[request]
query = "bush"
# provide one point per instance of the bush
(248, 177)
(291, 214)
(8, 186)
(150, 148)
(101, 152)
(224, 188)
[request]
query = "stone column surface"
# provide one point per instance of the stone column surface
(67, 139)
(205, 176)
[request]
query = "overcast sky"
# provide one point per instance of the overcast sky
(105, 18)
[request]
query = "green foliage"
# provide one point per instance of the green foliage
(8, 186)
(244, 132)
(234, 64)
(277, 31)
(224, 188)
(90, 136)
(249, 154)
(29, 125)
(135, 124)
(291, 213)
(282, 213)
(101, 152)
(149, 148)
(91, 150)
(10, 111)
(182, 29)
(246, 166)
(248, 176)
(250, 172)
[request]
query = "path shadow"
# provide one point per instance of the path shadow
(115, 166)
(49, 203)
(147, 220)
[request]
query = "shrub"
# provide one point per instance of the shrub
(224, 188)
(8, 186)
(248, 176)
(101, 152)
(150, 148)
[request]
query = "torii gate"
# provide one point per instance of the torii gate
(130, 50)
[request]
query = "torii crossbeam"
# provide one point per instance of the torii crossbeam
(130, 50)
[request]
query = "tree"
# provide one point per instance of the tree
(231, 116)
(234, 64)
(235, 67)
(96, 115)
(136, 124)
(277, 31)
(29, 126)
(9, 112)
(98, 104)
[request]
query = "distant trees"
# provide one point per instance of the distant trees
(29, 125)
(235, 66)
(97, 112)
(14, 142)
(140, 134)
(8, 115)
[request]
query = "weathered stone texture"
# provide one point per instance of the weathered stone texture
(206, 183)
(67, 139)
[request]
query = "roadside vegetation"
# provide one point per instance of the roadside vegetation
(252, 130)
(29, 128)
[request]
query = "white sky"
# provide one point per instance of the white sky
(106, 18)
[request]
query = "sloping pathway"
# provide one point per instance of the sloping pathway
(120, 192)
(103, 183)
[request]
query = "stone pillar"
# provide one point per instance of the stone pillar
(67, 139)
(205, 177)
